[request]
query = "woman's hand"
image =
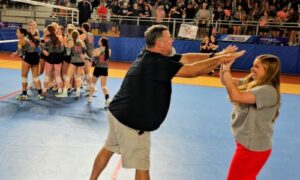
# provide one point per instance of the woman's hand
(46, 53)
(14, 54)
(231, 57)
(226, 66)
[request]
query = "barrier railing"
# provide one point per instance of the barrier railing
(71, 16)
(247, 27)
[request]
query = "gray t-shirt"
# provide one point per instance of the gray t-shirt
(89, 42)
(76, 52)
(252, 124)
(100, 60)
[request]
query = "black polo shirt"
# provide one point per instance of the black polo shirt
(143, 101)
(85, 11)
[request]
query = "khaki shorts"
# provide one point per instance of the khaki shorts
(133, 148)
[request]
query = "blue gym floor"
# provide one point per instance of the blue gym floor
(58, 139)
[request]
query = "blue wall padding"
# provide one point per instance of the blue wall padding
(127, 48)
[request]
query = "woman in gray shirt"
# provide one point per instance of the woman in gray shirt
(256, 100)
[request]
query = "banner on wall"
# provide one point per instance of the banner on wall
(283, 41)
(236, 38)
(10, 25)
(188, 31)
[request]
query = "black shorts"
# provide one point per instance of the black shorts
(276, 29)
(32, 58)
(54, 58)
(99, 71)
(67, 59)
(78, 64)
(295, 28)
(263, 29)
(236, 23)
(201, 25)
(225, 26)
(43, 56)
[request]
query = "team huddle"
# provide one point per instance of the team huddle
(65, 57)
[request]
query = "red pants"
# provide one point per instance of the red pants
(246, 164)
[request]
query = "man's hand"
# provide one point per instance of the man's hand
(228, 49)
(231, 57)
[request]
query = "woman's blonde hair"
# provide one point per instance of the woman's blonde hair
(271, 65)
(32, 22)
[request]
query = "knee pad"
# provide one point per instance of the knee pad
(78, 78)
(58, 79)
(92, 85)
(66, 78)
(36, 79)
(24, 79)
(46, 79)
(87, 76)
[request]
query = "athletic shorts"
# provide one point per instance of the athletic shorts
(43, 56)
(78, 64)
(98, 71)
(54, 58)
(32, 58)
(133, 148)
(67, 59)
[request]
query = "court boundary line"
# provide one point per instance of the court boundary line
(14, 93)
(10, 94)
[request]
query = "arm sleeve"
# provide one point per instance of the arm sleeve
(176, 57)
(265, 96)
(168, 67)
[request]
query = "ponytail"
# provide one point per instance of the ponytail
(33, 39)
(75, 36)
(104, 42)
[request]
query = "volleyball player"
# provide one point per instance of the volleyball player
(76, 66)
(101, 57)
(28, 49)
(53, 49)
(88, 39)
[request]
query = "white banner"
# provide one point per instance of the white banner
(188, 31)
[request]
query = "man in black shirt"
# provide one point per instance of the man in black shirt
(85, 10)
(142, 103)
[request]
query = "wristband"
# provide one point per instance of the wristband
(212, 55)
